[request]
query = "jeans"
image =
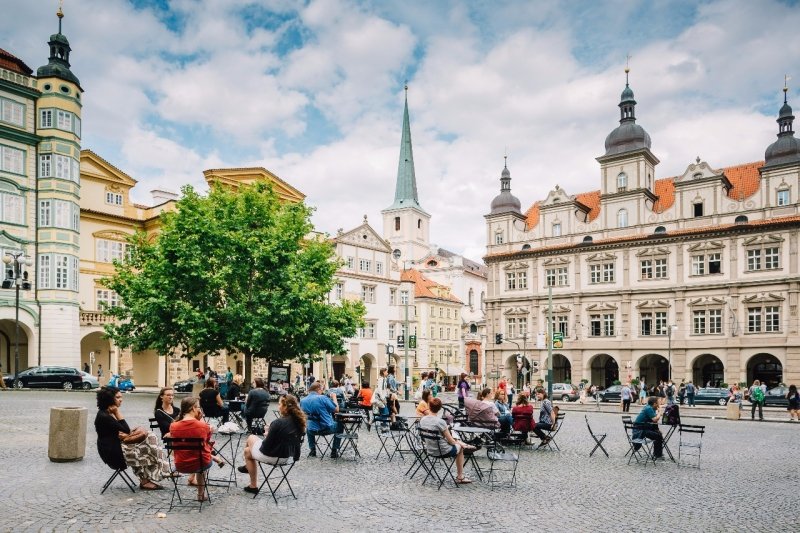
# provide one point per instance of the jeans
(753, 410)
(461, 402)
(658, 441)
(626, 406)
(539, 427)
(335, 429)
(505, 422)
(690, 399)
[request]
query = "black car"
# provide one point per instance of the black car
(776, 397)
(185, 385)
(611, 394)
(710, 396)
(61, 377)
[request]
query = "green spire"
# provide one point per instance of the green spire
(405, 194)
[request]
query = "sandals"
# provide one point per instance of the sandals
(463, 481)
(150, 486)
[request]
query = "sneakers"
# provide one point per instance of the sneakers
(334, 454)
(313, 453)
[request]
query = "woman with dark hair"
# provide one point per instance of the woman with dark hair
(165, 411)
(794, 403)
(446, 446)
(547, 417)
(463, 389)
(119, 446)
(211, 402)
(257, 402)
(423, 409)
(281, 444)
(190, 425)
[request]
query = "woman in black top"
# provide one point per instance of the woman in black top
(281, 445)
(211, 401)
(234, 388)
(257, 402)
(165, 412)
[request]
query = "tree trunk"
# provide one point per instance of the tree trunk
(248, 369)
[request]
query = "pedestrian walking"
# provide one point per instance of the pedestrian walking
(690, 390)
(670, 392)
(682, 393)
(99, 372)
(642, 391)
(627, 395)
(756, 400)
(794, 403)
(463, 389)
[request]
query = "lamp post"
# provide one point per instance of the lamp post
(17, 276)
(669, 351)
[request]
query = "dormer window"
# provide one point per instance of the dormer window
(498, 237)
(622, 218)
(697, 209)
(113, 198)
(622, 182)
(783, 197)
(557, 229)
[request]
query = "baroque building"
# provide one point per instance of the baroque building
(40, 136)
(693, 276)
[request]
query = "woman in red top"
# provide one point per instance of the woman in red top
(523, 414)
(365, 394)
(191, 425)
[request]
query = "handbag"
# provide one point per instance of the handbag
(135, 437)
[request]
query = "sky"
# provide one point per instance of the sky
(313, 91)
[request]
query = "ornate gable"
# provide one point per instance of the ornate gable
(697, 171)
(761, 240)
(653, 304)
(605, 306)
(364, 237)
(763, 298)
(706, 245)
(650, 252)
(555, 261)
(710, 301)
(603, 256)
(516, 311)
(518, 265)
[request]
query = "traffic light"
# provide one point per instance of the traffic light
(498, 338)
(412, 342)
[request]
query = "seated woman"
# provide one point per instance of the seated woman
(257, 402)
(281, 442)
(119, 446)
(423, 408)
(365, 393)
(235, 388)
(165, 412)
(211, 402)
(447, 446)
(482, 411)
(504, 416)
(190, 425)
(522, 414)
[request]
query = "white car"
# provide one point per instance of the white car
(89, 381)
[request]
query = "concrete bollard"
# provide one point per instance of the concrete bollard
(734, 411)
(67, 434)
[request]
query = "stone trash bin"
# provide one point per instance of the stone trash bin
(734, 410)
(67, 434)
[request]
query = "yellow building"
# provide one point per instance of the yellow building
(107, 218)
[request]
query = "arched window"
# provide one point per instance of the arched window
(622, 182)
(622, 218)
(419, 223)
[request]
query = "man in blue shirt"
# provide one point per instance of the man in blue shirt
(649, 417)
(319, 410)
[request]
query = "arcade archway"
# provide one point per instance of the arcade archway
(604, 370)
(708, 371)
(562, 369)
(653, 368)
(766, 368)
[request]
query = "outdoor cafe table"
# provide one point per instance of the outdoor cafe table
(226, 446)
(474, 431)
(235, 408)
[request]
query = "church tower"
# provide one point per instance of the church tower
(58, 125)
(405, 224)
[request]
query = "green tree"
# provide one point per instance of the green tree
(235, 270)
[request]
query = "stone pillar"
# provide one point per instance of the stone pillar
(67, 434)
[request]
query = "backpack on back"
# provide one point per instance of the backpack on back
(758, 394)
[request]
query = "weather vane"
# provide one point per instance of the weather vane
(627, 67)
(786, 79)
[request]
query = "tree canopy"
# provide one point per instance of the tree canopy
(235, 270)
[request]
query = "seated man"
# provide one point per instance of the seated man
(649, 416)
(547, 417)
(320, 409)
(482, 413)
(257, 402)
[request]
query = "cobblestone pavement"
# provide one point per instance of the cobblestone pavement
(748, 481)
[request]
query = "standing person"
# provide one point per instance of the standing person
(190, 425)
(510, 394)
(756, 400)
(99, 372)
(165, 411)
(391, 384)
(794, 403)
(310, 379)
(670, 393)
(547, 416)
(690, 390)
(463, 389)
(627, 395)
(229, 377)
(431, 384)
(319, 411)
(681, 393)
(642, 391)
(650, 416)
(281, 444)
(87, 368)
(447, 446)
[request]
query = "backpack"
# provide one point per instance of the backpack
(758, 395)
(671, 416)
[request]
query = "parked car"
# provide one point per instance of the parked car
(565, 392)
(8, 379)
(61, 377)
(710, 396)
(89, 381)
(776, 397)
(611, 394)
(185, 385)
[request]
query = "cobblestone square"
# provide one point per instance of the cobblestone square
(748, 481)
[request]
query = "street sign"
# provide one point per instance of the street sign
(401, 341)
(412, 342)
(541, 342)
(558, 340)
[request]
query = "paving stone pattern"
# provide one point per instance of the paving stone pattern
(748, 482)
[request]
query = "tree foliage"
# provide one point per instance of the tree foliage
(234, 270)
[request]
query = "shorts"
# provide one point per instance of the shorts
(261, 458)
(453, 452)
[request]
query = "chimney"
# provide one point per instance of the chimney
(162, 196)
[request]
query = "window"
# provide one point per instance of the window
(661, 268)
(594, 274)
(498, 238)
(441, 312)
(622, 218)
(107, 298)
(646, 268)
(433, 332)
(368, 294)
(441, 333)
(369, 328)
(764, 319)
(557, 229)
(12, 208)
(601, 273)
(113, 198)
(12, 112)
(61, 271)
(511, 281)
(770, 256)
(391, 330)
(608, 325)
(556, 277)
(45, 272)
(698, 265)
(697, 209)
(109, 251)
(561, 324)
(45, 166)
(608, 272)
(64, 120)
(594, 325)
(715, 321)
(419, 223)
(365, 265)
(653, 268)
(392, 296)
(12, 160)
(772, 319)
(59, 166)
(46, 118)
(339, 290)
(433, 311)
(622, 182)
(350, 263)
(602, 325)
(511, 328)
(379, 267)
(448, 312)
(653, 323)
(661, 323)
(397, 223)
(404, 297)
(522, 322)
(707, 321)
(707, 264)
(699, 322)
(783, 197)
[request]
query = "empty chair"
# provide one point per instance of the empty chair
(597, 437)
(690, 444)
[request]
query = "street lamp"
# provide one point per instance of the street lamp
(669, 351)
(17, 276)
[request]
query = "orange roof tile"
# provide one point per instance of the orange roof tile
(425, 288)
(592, 201)
(665, 190)
(532, 216)
(13, 63)
(745, 179)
